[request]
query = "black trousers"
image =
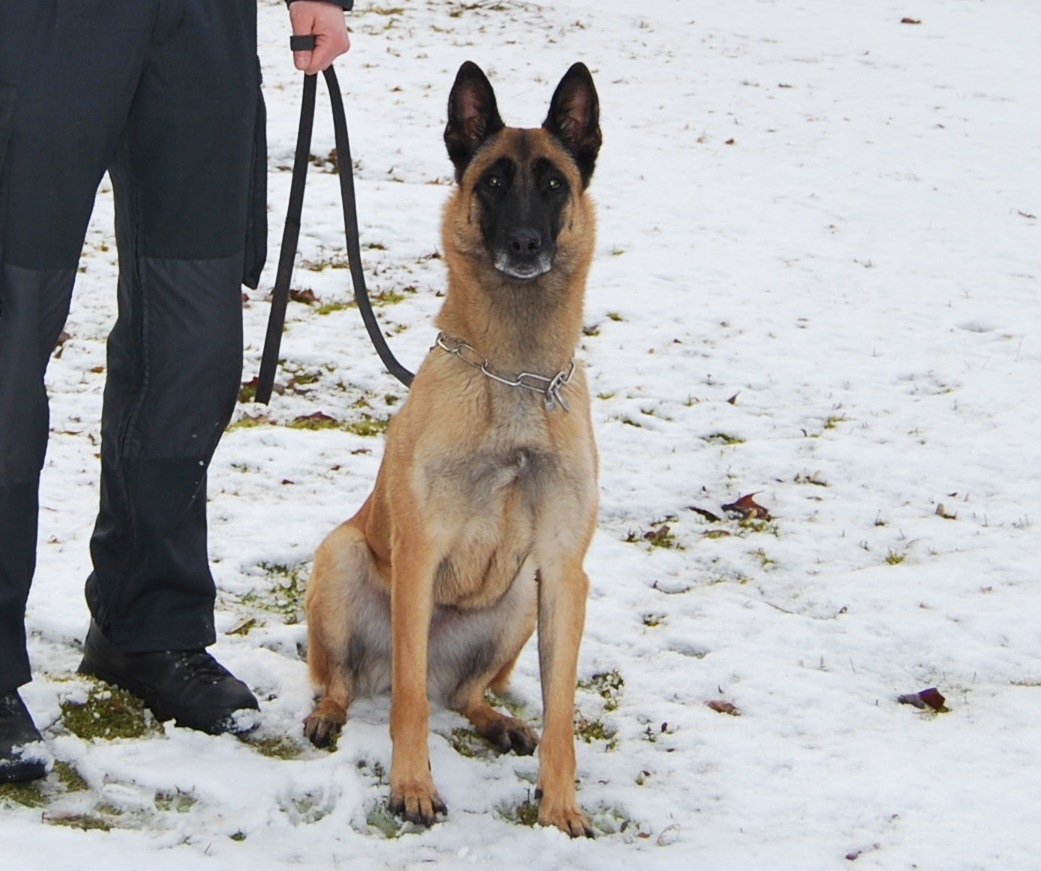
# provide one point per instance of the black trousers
(164, 95)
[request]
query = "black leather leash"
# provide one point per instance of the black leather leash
(291, 232)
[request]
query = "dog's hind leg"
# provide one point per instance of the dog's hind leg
(348, 628)
(325, 721)
(504, 732)
(494, 639)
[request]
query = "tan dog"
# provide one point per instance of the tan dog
(486, 500)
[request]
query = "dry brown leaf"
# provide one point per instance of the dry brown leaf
(928, 698)
(747, 508)
(720, 706)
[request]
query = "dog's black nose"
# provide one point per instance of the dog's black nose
(525, 241)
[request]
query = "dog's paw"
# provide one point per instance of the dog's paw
(322, 729)
(566, 816)
(417, 803)
(509, 733)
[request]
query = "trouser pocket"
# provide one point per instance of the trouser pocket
(256, 215)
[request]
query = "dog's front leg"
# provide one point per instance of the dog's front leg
(562, 610)
(412, 792)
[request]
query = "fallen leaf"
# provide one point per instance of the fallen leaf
(242, 627)
(933, 699)
(306, 296)
(910, 20)
(317, 417)
(708, 515)
(723, 707)
(747, 508)
(733, 399)
(927, 698)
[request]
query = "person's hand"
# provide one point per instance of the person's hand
(325, 21)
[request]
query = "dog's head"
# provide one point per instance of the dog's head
(522, 185)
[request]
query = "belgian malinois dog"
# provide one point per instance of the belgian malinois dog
(486, 500)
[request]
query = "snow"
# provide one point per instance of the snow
(817, 281)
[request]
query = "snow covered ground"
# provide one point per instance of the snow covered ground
(817, 282)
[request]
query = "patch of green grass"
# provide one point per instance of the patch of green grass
(328, 308)
(459, 9)
(391, 297)
(276, 747)
(314, 423)
(659, 535)
(63, 780)
(759, 525)
(247, 422)
(716, 533)
(69, 778)
(367, 426)
(84, 822)
(304, 377)
(524, 814)
(284, 595)
(107, 714)
(595, 730)
(895, 557)
(29, 794)
(606, 684)
(469, 744)
(722, 438)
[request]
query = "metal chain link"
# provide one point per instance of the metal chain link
(549, 388)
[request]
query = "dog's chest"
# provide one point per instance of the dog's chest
(489, 508)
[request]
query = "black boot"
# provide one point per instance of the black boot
(188, 686)
(21, 745)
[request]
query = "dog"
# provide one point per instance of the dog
(486, 499)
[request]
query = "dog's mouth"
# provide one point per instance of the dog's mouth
(523, 268)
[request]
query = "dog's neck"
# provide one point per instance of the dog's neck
(532, 326)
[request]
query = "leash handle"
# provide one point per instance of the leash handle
(291, 235)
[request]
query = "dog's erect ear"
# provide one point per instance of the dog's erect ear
(574, 118)
(472, 116)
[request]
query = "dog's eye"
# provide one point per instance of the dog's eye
(554, 183)
(493, 181)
